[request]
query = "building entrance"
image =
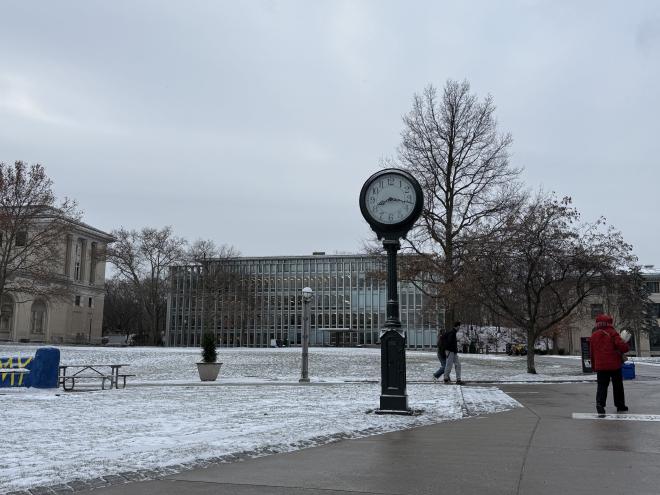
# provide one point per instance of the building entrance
(346, 338)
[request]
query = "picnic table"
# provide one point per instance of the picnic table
(84, 372)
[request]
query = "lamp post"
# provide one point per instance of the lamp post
(307, 294)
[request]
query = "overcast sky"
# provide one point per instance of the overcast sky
(256, 123)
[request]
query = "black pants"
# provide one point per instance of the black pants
(604, 378)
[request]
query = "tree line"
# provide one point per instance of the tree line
(34, 225)
(136, 295)
(485, 246)
(484, 240)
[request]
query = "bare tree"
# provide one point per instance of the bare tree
(33, 228)
(451, 144)
(206, 249)
(143, 258)
(562, 328)
(543, 263)
(122, 308)
(217, 279)
(634, 306)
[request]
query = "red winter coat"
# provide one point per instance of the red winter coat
(606, 349)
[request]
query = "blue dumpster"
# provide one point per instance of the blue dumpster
(44, 368)
(628, 370)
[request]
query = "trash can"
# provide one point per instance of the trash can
(628, 370)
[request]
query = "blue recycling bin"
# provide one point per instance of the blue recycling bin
(628, 370)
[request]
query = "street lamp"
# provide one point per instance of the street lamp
(307, 294)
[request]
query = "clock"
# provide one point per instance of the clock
(391, 201)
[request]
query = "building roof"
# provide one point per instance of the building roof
(650, 271)
(49, 212)
(93, 230)
(314, 256)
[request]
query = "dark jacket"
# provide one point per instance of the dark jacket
(451, 345)
(606, 349)
(441, 345)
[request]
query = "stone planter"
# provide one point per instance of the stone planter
(208, 372)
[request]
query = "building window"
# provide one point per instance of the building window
(89, 302)
(654, 338)
(653, 287)
(76, 272)
(596, 309)
(77, 301)
(21, 238)
(38, 321)
(655, 310)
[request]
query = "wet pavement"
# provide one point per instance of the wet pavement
(536, 449)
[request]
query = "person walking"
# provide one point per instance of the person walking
(442, 356)
(451, 347)
(607, 350)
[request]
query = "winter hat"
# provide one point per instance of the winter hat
(603, 321)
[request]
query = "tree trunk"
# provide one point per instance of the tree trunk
(530, 352)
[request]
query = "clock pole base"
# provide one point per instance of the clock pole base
(393, 404)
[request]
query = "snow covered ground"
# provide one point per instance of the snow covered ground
(256, 408)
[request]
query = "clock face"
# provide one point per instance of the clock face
(390, 198)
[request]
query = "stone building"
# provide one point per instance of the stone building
(74, 316)
(582, 323)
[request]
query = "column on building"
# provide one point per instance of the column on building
(92, 263)
(83, 259)
(68, 255)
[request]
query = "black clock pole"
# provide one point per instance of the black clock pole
(391, 201)
(393, 397)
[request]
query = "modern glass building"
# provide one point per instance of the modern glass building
(258, 301)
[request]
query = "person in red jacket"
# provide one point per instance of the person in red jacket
(607, 349)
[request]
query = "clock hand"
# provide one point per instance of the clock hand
(381, 203)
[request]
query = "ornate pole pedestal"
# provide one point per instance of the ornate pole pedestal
(393, 397)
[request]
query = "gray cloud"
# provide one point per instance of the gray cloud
(255, 123)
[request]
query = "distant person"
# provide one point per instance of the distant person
(442, 355)
(607, 350)
(451, 347)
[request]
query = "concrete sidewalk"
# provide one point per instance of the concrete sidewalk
(537, 449)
